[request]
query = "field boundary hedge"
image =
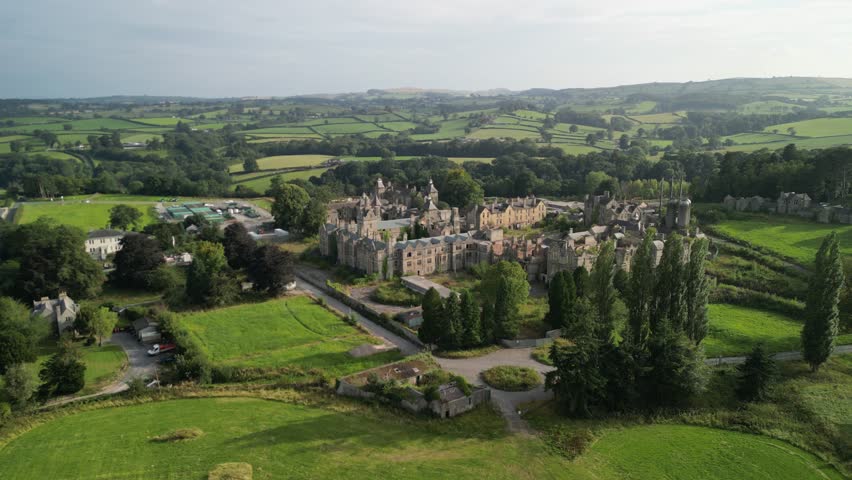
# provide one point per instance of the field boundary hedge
(732, 295)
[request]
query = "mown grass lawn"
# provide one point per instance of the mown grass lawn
(788, 236)
(280, 441)
(688, 452)
(103, 364)
(291, 332)
(87, 216)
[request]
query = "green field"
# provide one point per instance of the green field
(735, 330)
(282, 440)
(102, 364)
(277, 333)
(284, 161)
(789, 236)
(259, 182)
(686, 452)
(818, 127)
(279, 440)
(88, 216)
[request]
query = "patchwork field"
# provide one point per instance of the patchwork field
(277, 333)
(789, 236)
(87, 216)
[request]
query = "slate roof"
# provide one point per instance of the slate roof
(105, 233)
(395, 223)
(423, 242)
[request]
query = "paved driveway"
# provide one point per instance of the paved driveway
(507, 402)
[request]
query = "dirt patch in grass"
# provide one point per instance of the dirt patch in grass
(178, 435)
(231, 471)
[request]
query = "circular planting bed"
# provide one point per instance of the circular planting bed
(511, 378)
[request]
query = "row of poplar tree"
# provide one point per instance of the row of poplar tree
(651, 360)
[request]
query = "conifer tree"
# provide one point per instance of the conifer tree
(601, 290)
(821, 310)
(581, 281)
(430, 330)
(487, 322)
(670, 302)
(640, 297)
(472, 324)
(556, 301)
(756, 374)
(453, 329)
(505, 313)
(697, 292)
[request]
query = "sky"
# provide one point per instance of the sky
(216, 48)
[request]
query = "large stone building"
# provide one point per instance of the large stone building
(793, 203)
(432, 240)
(384, 234)
(512, 213)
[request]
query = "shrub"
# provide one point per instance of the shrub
(512, 378)
(231, 471)
(5, 412)
(760, 300)
(179, 435)
(396, 294)
(569, 442)
(136, 387)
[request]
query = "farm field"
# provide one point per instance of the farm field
(282, 440)
(87, 216)
(261, 181)
(817, 127)
(279, 440)
(291, 332)
(284, 161)
(789, 236)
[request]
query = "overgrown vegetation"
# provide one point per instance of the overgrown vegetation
(512, 378)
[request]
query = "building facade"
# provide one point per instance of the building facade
(101, 243)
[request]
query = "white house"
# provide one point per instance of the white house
(101, 243)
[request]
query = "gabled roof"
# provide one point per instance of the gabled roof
(105, 233)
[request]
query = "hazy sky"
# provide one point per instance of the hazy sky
(211, 48)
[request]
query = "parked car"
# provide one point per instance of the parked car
(161, 348)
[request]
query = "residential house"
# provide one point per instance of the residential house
(60, 311)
